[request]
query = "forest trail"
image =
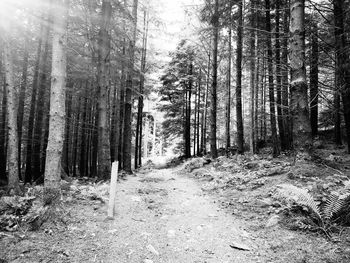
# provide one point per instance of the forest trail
(163, 216)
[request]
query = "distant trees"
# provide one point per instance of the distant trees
(278, 86)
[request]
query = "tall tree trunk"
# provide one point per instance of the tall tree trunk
(337, 116)
(213, 90)
(198, 111)
(128, 94)
(67, 130)
(188, 115)
(138, 137)
(83, 142)
(252, 59)
(76, 133)
(275, 144)
(287, 140)
(57, 104)
(12, 111)
(228, 89)
(22, 92)
(314, 80)
(28, 178)
(104, 154)
(342, 58)
(3, 129)
(280, 123)
(205, 110)
(154, 135)
(239, 110)
(43, 86)
(299, 104)
(145, 140)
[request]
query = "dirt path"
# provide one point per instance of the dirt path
(164, 217)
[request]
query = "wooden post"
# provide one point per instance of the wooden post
(112, 190)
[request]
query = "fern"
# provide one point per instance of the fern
(300, 197)
(334, 210)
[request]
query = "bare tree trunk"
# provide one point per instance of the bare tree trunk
(57, 104)
(252, 59)
(154, 135)
(239, 110)
(145, 140)
(21, 102)
(104, 154)
(188, 115)
(138, 137)
(299, 104)
(12, 111)
(198, 111)
(314, 80)
(128, 94)
(337, 116)
(228, 88)
(275, 144)
(342, 58)
(3, 129)
(43, 86)
(286, 143)
(205, 111)
(280, 123)
(213, 90)
(83, 142)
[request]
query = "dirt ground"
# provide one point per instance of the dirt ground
(169, 215)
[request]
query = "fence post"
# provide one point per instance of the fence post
(112, 190)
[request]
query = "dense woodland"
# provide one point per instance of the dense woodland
(76, 74)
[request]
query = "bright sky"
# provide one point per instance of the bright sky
(176, 22)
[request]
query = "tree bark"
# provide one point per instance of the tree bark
(213, 90)
(253, 57)
(28, 178)
(128, 94)
(314, 80)
(228, 88)
(104, 154)
(239, 110)
(3, 129)
(12, 112)
(342, 58)
(57, 104)
(280, 123)
(302, 140)
(275, 144)
(286, 143)
(21, 98)
(43, 86)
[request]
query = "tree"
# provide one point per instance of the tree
(128, 93)
(298, 87)
(342, 62)
(12, 111)
(104, 163)
(213, 90)
(239, 110)
(228, 85)
(275, 144)
(314, 79)
(57, 103)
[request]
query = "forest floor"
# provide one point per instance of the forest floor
(224, 211)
